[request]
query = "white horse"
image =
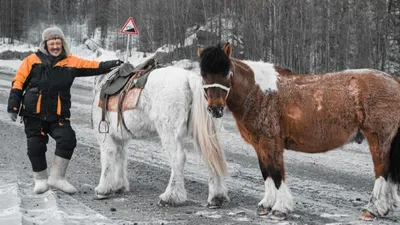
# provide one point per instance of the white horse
(172, 105)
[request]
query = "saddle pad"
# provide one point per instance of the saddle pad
(130, 101)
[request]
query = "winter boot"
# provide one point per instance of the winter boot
(57, 176)
(40, 179)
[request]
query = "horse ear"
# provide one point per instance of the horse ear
(199, 51)
(228, 49)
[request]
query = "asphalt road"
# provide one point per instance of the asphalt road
(328, 188)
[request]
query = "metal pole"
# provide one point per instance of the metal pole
(127, 48)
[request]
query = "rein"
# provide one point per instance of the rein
(217, 131)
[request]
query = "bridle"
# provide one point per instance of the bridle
(225, 88)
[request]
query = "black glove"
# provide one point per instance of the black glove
(111, 63)
(118, 62)
(13, 116)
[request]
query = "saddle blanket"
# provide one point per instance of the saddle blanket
(129, 102)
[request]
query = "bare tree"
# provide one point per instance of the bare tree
(306, 36)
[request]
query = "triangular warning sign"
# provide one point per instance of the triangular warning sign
(129, 27)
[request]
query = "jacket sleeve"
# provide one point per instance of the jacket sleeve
(17, 88)
(90, 68)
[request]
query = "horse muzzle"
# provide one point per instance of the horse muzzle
(216, 111)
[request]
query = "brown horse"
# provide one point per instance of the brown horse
(301, 113)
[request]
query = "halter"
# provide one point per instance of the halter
(225, 88)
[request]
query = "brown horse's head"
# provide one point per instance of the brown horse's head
(215, 69)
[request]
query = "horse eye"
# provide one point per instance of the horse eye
(227, 74)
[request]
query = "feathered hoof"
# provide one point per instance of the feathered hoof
(163, 203)
(212, 206)
(262, 211)
(101, 197)
(100, 194)
(217, 201)
(277, 215)
(367, 215)
(121, 190)
(172, 199)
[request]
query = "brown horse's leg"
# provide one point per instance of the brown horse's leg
(277, 196)
(380, 201)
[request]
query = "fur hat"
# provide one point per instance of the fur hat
(52, 33)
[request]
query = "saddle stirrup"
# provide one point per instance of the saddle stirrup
(103, 118)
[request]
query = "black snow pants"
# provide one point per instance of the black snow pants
(37, 131)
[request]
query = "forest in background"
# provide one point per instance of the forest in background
(305, 36)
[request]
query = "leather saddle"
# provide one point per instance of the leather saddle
(120, 82)
(126, 71)
(114, 85)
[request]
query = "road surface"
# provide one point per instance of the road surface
(328, 188)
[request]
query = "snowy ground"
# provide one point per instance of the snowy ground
(328, 188)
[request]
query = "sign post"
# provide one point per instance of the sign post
(129, 28)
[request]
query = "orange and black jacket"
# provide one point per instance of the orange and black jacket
(44, 89)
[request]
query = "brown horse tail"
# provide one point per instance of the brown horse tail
(203, 129)
(394, 158)
(394, 165)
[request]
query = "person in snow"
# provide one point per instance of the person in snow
(40, 93)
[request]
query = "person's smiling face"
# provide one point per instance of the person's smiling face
(54, 47)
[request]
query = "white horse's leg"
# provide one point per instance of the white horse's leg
(217, 190)
(109, 149)
(175, 193)
(121, 164)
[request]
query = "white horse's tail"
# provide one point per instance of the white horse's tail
(203, 128)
